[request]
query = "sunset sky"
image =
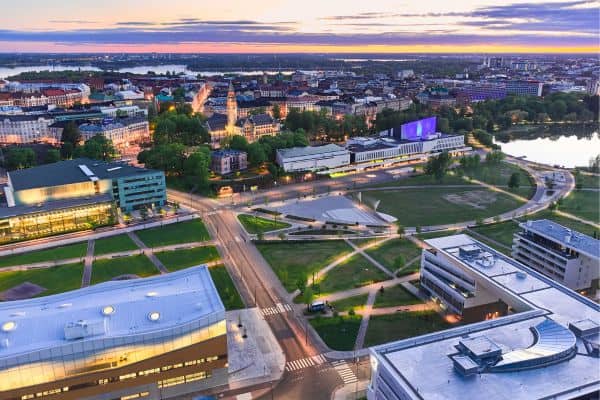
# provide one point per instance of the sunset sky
(299, 26)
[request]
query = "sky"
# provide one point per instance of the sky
(312, 26)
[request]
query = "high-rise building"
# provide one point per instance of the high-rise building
(567, 256)
(231, 110)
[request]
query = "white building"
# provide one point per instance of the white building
(545, 348)
(312, 158)
(122, 133)
(22, 128)
(567, 256)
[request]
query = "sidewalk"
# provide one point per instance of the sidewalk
(349, 392)
(369, 288)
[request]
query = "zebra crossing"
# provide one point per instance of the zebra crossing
(305, 362)
(277, 309)
(344, 371)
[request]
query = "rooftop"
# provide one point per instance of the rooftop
(565, 236)
(538, 336)
(69, 171)
(115, 308)
(309, 150)
(7, 212)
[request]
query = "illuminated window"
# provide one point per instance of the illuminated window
(127, 376)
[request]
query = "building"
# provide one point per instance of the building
(567, 256)
(75, 195)
(158, 337)
(23, 128)
(224, 162)
(123, 132)
(256, 126)
(545, 347)
(524, 88)
(476, 93)
(312, 158)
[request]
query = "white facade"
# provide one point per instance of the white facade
(20, 129)
(558, 253)
(312, 158)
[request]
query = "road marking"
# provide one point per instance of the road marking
(237, 239)
(344, 371)
(299, 364)
(244, 396)
(319, 359)
(278, 309)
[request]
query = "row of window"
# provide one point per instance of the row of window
(178, 380)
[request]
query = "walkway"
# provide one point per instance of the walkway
(361, 251)
(87, 265)
(148, 252)
(364, 323)
(369, 288)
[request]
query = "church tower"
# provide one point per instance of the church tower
(231, 110)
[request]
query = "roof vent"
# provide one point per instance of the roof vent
(9, 326)
(154, 316)
(82, 329)
(108, 310)
(151, 294)
(65, 305)
(521, 275)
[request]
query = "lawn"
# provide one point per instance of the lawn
(295, 259)
(254, 225)
(355, 272)
(423, 180)
(339, 333)
(75, 250)
(57, 279)
(114, 244)
(355, 302)
(437, 234)
(395, 296)
(501, 232)
(402, 325)
(440, 206)
(106, 270)
(181, 232)
(387, 253)
(175, 260)
(229, 295)
(499, 174)
(584, 204)
(588, 180)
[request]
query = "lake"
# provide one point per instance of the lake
(568, 151)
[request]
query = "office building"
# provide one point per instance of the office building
(123, 132)
(546, 347)
(74, 195)
(224, 162)
(312, 158)
(159, 337)
(524, 88)
(567, 256)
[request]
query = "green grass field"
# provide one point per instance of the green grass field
(293, 260)
(57, 279)
(395, 296)
(255, 225)
(355, 302)
(355, 272)
(499, 174)
(175, 260)
(402, 325)
(583, 204)
(387, 253)
(229, 295)
(440, 206)
(75, 250)
(114, 244)
(339, 333)
(424, 180)
(433, 235)
(106, 270)
(589, 181)
(181, 232)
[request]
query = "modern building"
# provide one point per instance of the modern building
(74, 195)
(224, 162)
(524, 88)
(312, 158)
(546, 347)
(567, 256)
(159, 337)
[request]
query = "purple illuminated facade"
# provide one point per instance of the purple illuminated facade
(419, 130)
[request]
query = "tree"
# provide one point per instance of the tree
(400, 231)
(494, 157)
(308, 296)
(256, 154)
(196, 167)
(66, 150)
(52, 156)
(19, 158)
(238, 142)
(558, 109)
(301, 283)
(514, 181)
(71, 134)
(437, 166)
(276, 111)
(97, 148)
(443, 125)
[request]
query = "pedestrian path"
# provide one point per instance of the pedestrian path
(277, 309)
(305, 363)
(344, 371)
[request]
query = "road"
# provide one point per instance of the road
(259, 286)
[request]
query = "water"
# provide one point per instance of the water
(567, 151)
(6, 71)
(178, 68)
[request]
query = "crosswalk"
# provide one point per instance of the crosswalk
(305, 362)
(277, 309)
(344, 371)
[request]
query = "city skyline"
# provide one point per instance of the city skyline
(332, 27)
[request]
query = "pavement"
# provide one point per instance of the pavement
(366, 313)
(87, 265)
(149, 253)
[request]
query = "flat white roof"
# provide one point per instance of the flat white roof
(115, 308)
(310, 151)
(422, 367)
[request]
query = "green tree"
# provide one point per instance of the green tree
(19, 158)
(196, 167)
(514, 181)
(52, 156)
(276, 110)
(443, 125)
(494, 157)
(256, 154)
(437, 166)
(237, 142)
(308, 296)
(71, 134)
(97, 148)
